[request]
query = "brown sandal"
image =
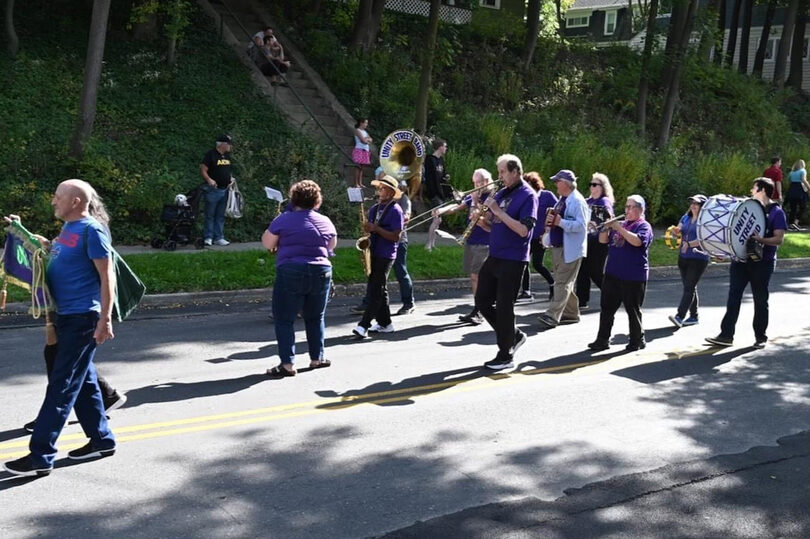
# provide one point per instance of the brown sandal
(279, 371)
(322, 364)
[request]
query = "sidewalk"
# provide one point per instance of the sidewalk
(764, 492)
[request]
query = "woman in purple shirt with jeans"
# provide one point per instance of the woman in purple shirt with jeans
(303, 239)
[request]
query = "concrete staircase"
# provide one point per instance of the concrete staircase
(307, 103)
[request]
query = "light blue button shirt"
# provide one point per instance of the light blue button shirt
(574, 223)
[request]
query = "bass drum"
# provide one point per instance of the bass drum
(725, 223)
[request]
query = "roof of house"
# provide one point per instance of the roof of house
(581, 5)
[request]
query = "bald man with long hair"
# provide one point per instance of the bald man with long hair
(81, 279)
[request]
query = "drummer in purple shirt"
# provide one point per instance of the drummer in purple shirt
(626, 273)
(385, 224)
(303, 239)
(513, 215)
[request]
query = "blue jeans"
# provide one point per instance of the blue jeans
(740, 274)
(215, 200)
(400, 268)
(300, 287)
(72, 384)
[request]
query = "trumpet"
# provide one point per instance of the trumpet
(363, 243)
(601, 228)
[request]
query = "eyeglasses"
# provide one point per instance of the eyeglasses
(595, 184)
(630, 207)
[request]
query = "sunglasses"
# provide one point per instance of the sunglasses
(595, 184)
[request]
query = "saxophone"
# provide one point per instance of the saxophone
(461, 240)
(363, 243)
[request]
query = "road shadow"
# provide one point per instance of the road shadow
(676, 366)
(181, 391)
(565, 364)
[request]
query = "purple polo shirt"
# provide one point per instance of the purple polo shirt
(303, 237)
(390, 218)
(555, 236)
(519, 202)
(596, 216)
(625, 261)
(689, 233)
(545, 199)
(775, 220)
(478, 236)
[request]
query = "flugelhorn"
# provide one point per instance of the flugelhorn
(601, 228)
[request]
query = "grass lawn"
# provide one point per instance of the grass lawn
(235, 270)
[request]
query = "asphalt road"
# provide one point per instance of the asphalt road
(405, 427)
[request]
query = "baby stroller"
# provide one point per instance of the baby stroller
(178, 220)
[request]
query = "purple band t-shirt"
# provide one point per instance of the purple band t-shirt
(303, 237)
(774, 220)
(625, 261)
(478, 236)
(689, 233)
(520, 203)
(390, 218)
(545, 200)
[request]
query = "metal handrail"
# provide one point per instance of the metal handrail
(284, 78)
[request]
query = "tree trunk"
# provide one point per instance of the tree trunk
(732, 33)
(672, 49)
(532, 29)
(644, 78)
(794, 79)
(374, 24)
(92, 75)
(675, 84)
(11, 34)
(560, 18)
(784, 44)
(759, 57)
(420, 122)
(721, 32)
(709, 37)
(171, 53)
(361, 23)
(742, 64)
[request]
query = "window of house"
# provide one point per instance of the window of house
(771, 49)
(577, 21)
(610, 22)
(493, 4)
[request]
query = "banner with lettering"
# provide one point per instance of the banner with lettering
(17, 264)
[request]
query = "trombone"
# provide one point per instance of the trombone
(458, 197)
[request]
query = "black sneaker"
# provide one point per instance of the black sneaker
(405, 309)
(524, 294)
(598, 345)
(634, 346)
(547, 321)
(720, 341)
(760, 343)
(520, 340)
(473, 318)
(499, 364)
(568, 321)
(29, 427)
(24, 468)
(88, 452)
(114, 401)
(358, 309)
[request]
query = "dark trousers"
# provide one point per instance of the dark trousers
(403, 277)
(740, 275)
(691, 270)
(72, 385)
(498, 287)
(617, 292)
(796, 207)
(592, 269)
(537, 253)
(378, 308)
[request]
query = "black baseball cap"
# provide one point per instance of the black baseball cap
(225, 138)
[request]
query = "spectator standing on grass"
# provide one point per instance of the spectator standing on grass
(216, 171)
(774, 172)
(797, 194)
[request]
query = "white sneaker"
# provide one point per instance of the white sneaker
(222, 241)
(207, 241)
(360, 331)
(377, 328)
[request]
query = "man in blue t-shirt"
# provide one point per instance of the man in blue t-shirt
(81, 279)
(757, 273)
(513, 213)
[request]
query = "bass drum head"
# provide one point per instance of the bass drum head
(748, 219)
(713, 225)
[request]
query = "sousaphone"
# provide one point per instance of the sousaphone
(401, 156)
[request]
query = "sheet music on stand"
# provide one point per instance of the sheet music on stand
(355, 194)
(273, 194)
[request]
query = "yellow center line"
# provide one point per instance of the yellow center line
(273, 413)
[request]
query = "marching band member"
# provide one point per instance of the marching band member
(476, 248)
(513, 216)
(569, 243)
(691, 264)
(626, 273)
(545, 200)
(593, 265)
(756, 273)
(385, 224)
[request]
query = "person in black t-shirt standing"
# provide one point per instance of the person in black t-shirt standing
(216, 171)
(435, 174)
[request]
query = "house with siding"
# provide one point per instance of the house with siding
(603, 21)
